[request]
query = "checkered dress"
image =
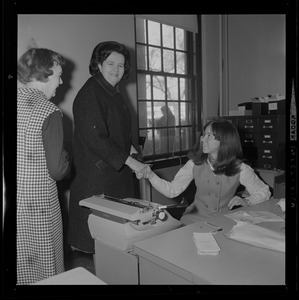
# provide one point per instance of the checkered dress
(39, 223)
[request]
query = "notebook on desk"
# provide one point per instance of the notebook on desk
(205, 243)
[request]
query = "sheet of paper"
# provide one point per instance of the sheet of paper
(254, 217)
(205, 243)
(257, 236)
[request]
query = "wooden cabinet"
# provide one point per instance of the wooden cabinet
(263, 140)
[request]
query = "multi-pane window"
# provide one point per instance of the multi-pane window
(165, 85)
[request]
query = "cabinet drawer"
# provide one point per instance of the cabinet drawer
(268, 124)
(248, 124)
(268, 139)
(249, 139)
(267, 154)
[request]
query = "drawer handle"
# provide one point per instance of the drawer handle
(270, 126)
(267, 142)
(265, 156)
(248, 126)
(248, 141)
(267, 166)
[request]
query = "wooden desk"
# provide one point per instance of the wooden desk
(171, 258)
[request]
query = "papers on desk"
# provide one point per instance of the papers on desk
(205, 243)
(257, 236)
(254, 217)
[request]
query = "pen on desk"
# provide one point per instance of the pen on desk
(218, 228)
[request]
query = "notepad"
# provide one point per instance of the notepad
(205, 243)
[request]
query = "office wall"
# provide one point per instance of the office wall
(75, 36)
(255, 59)
(256, 54)
(210, 65)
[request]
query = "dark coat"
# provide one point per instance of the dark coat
(102, 142)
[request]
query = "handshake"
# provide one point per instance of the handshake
(141, 170)
(145, 172)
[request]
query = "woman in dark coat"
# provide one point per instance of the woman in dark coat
(102, 140)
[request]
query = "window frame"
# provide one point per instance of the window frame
(191, 76)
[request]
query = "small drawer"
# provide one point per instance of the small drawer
(268, 124)
(265, 165)
(249, 139)
(248, 124)
(267, 140)
(267, 155)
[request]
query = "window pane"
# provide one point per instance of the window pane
(148, 144)
(158, 114)
(176, 145)
(154, 59)
(154, 37)
(145, 114)
(180, 40)
(181, 62)
(186, 137)
(173, 119)
(167, 36)
(144, 87)
(158, 88)
(184, 89)
(168, 61)
(140, 30)
(141, 57)
(172, 88)
(186, 113)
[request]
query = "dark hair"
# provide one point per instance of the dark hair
(36, 63)
(102, 51)
(230, 150)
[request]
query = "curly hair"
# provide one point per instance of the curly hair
(36, 63)
(230, 150)
(102, 51)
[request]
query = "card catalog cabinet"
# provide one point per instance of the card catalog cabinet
(263, 140)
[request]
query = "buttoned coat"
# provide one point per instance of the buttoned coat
(102, 142)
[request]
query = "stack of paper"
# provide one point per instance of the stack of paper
(205, 243)
(257, 236)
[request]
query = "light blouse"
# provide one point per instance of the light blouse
(257, 189)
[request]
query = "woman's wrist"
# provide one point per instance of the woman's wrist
(246, 201)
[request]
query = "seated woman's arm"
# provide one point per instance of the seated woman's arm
(257, 189)
(180, 182)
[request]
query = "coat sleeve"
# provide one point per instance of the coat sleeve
(90, 117)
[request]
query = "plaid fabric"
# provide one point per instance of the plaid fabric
(39, 223)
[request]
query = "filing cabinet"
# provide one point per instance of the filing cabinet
(263, 140)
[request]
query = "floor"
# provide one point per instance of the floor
(74, 259)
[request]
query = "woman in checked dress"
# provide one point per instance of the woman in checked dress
(41, 161)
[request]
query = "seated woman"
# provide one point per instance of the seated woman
(216, 165)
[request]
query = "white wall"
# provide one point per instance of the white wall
(75, 36)
(210, 65)
(256, 59)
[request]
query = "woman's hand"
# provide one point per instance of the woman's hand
(146, 172)
(236, 201)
